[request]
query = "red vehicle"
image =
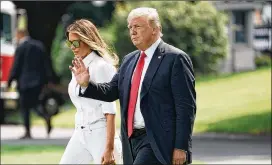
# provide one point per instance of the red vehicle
(9, 97)
(8, 45)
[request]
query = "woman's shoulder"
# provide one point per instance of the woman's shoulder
(100, 61)
(100, 64)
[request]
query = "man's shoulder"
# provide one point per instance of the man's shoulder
(171, 50)
(35, 43)
(177, 54)
(130, 56)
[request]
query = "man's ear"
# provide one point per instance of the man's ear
(154, 31)
(160, 29)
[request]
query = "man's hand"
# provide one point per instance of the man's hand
(108, 157)
(179, 156)
(80, 71)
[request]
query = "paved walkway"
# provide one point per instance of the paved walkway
(207, 148)
(13, 132)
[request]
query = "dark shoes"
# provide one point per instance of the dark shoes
(48, 128)
(26, 136)
(48, 125)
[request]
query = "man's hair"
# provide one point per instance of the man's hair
(151, 14)
(89, 34)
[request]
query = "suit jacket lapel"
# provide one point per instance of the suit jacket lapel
(152, 68)
(127, 82)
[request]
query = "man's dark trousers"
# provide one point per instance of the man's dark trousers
(141, 149)
(29, 99)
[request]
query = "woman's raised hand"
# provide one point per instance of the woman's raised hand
(80, 71)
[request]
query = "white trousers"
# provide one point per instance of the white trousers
(87, 145)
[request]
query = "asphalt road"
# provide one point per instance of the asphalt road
(210, 149)
(225, 151)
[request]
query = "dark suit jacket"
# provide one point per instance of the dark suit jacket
(168, 101)
(31, 65)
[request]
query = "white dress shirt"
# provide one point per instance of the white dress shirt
(90, 110)
(138, 117)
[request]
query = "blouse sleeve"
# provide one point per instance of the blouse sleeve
(104, 73)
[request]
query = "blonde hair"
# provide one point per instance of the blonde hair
(150, 13)
(89, 34)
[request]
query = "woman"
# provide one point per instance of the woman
(94, 135)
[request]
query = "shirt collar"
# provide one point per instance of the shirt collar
(22, 40)
(150, 51)
(89, 58)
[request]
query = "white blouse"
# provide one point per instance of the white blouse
(91, 110)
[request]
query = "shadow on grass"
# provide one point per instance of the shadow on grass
(257, 124)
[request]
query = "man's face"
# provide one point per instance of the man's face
(140, 32)
(18, 36)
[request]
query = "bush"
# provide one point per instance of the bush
(263, 61)
(62, 56)
(198, 29)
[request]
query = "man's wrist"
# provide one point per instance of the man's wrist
(181, 150)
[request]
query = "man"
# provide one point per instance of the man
(156, 89)
(31, 71)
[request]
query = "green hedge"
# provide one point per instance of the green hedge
(263, 60)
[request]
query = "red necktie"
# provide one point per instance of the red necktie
(134, 92)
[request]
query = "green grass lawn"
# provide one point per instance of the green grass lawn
(35, 154)
(239, 103)
(31, 154)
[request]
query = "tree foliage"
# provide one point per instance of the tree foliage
(62, 55)
(196, 28)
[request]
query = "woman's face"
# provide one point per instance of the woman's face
(79, 48)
